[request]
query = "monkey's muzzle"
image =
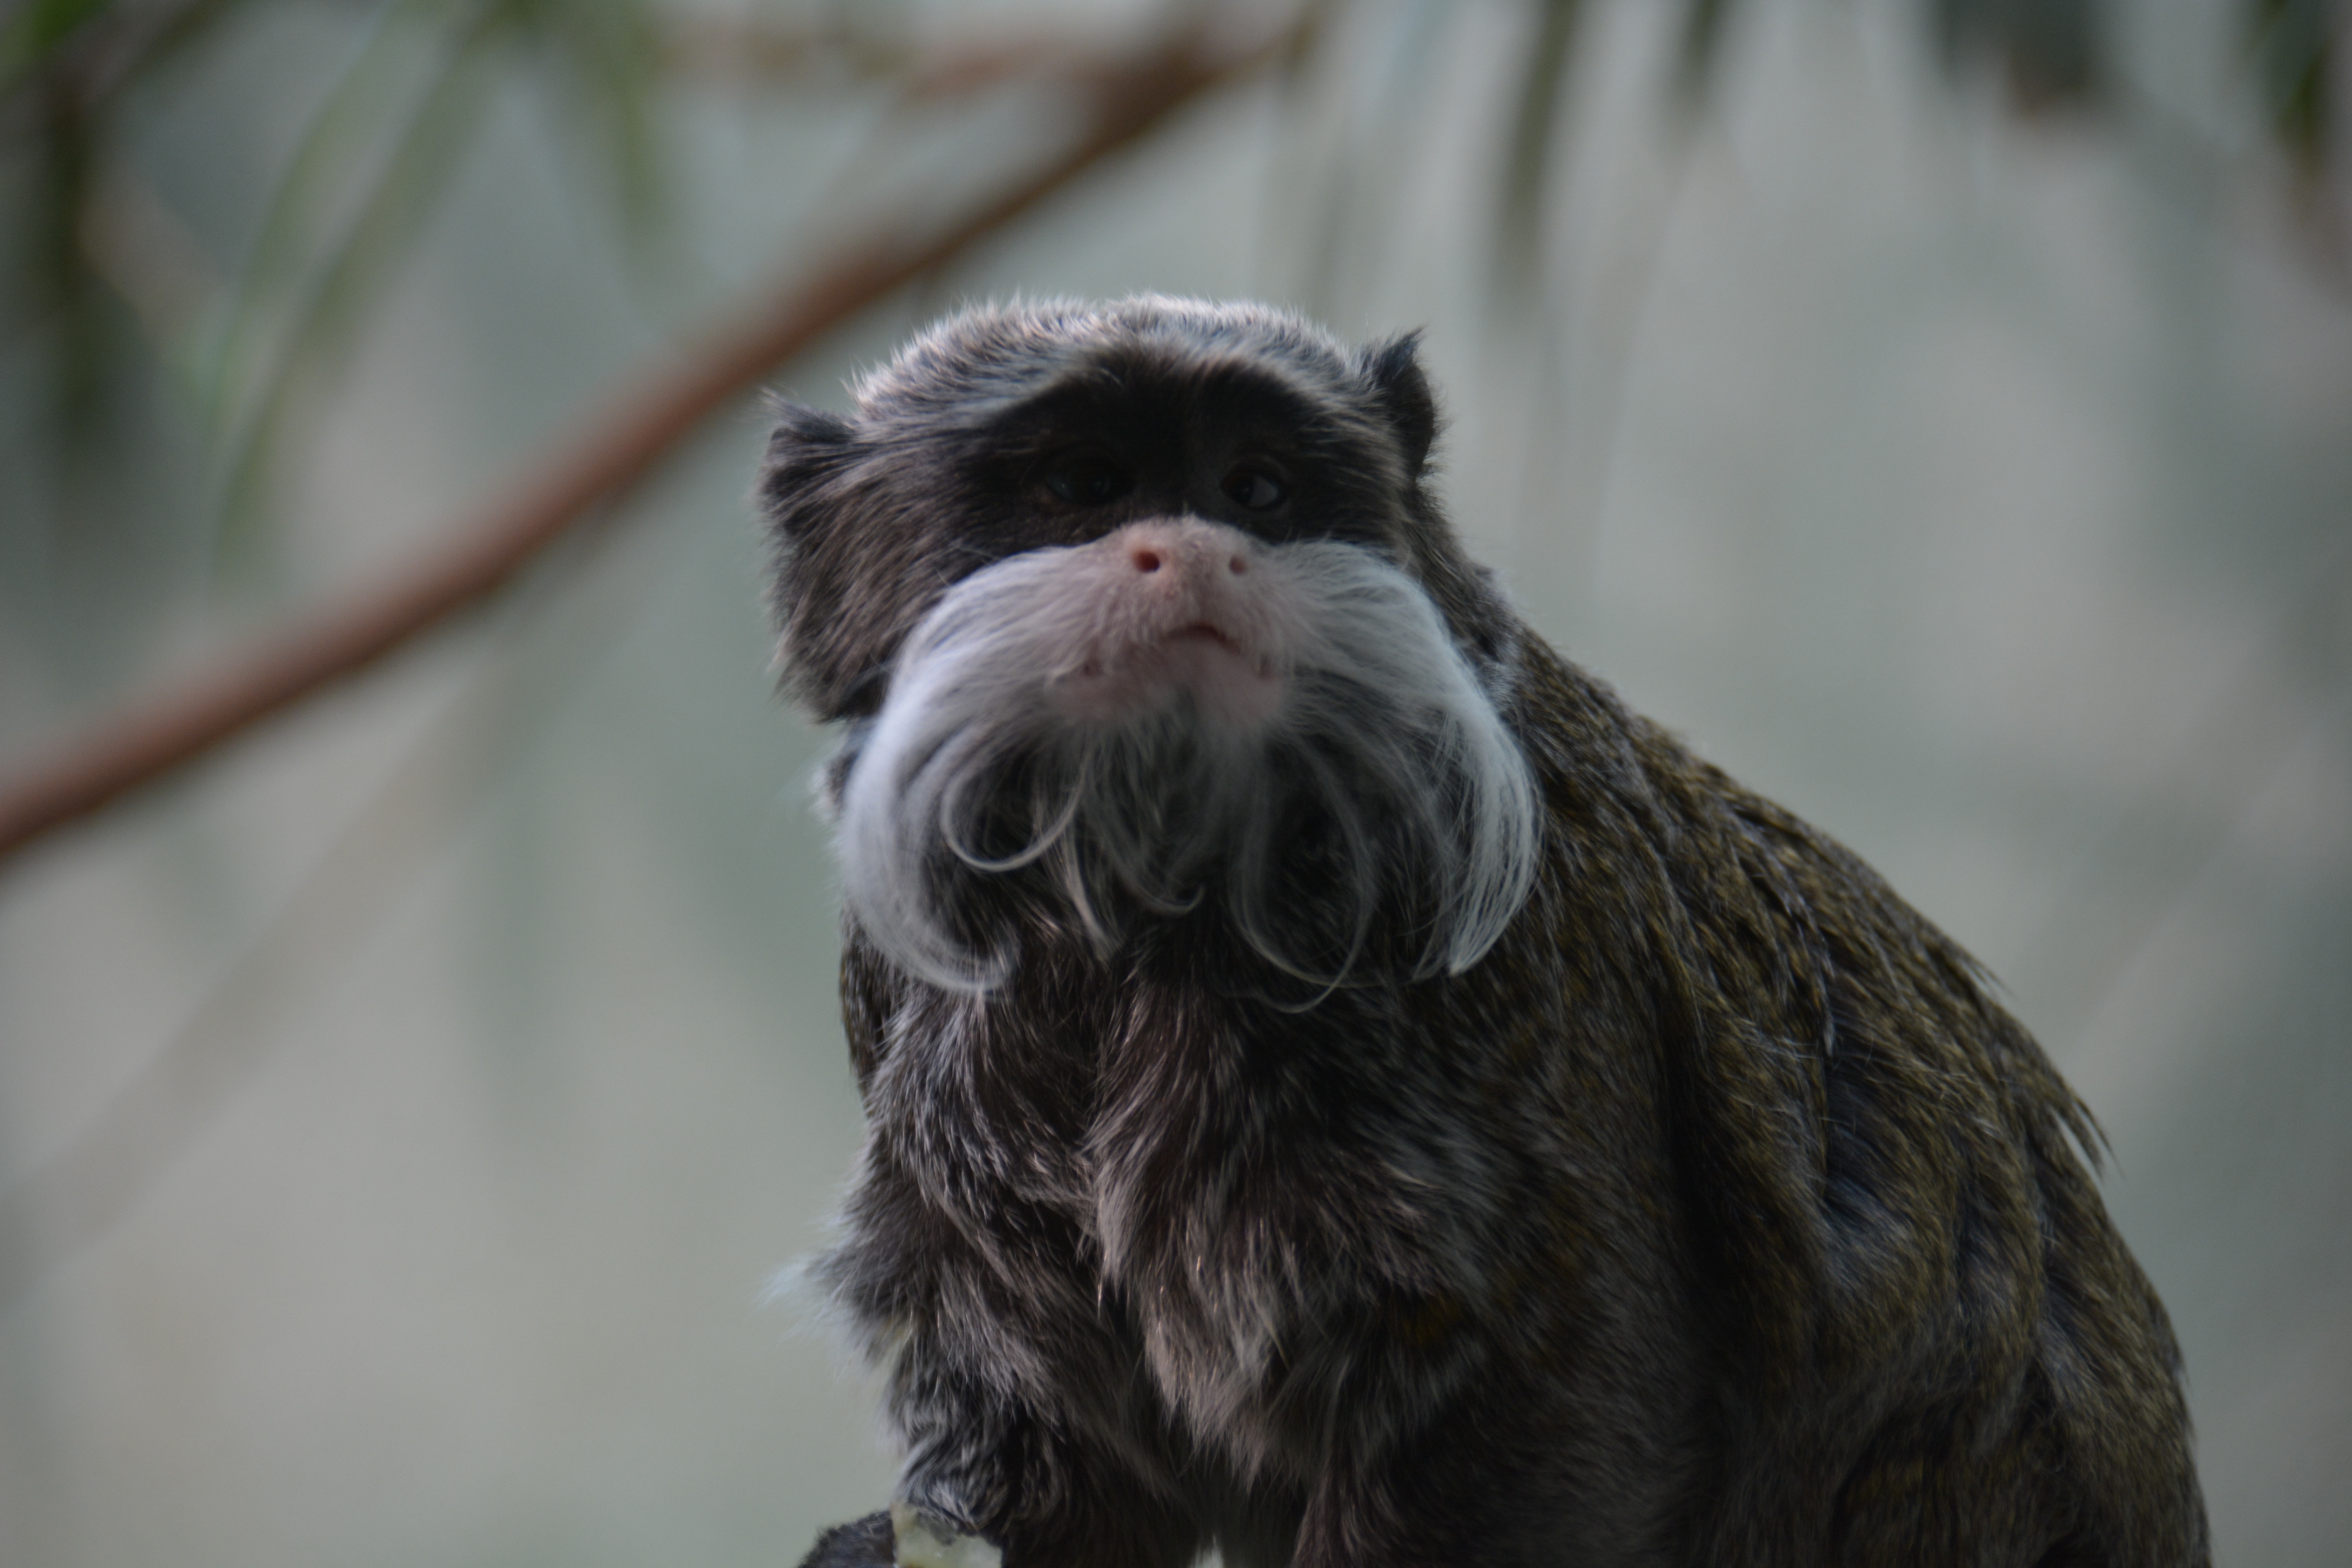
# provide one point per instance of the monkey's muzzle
(1165, 611)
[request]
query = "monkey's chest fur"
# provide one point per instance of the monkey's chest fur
(1273, 1237)
(1717, 1205)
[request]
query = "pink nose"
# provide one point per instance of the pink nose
(1174, 606)
(1187, 548)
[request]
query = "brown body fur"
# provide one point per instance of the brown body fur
(1937, 1348)
(1718, 1215)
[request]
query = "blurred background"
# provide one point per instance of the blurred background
(1939, 411)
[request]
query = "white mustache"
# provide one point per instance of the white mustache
(1149, 731)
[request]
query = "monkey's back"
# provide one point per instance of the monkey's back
(1928, 1343)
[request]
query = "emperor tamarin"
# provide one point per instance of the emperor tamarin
(1341, 1089)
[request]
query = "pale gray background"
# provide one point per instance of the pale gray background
(1979, 487)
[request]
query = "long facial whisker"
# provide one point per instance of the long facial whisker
(1037, 849)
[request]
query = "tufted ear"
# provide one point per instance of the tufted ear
(809, 447)
(808, 493)
(1393, 371)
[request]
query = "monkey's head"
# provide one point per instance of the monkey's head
(1140, 618)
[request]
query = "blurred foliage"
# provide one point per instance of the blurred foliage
(103, 286)
(2298, 50)
(67, 68)
(2051, 51)
(393, 131)
(108, 306)
(1543, 85)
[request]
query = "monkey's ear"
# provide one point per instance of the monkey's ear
(1393, 370)
(808, 494)
(809, 447)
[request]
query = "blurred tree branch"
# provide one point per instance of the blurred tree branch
(608, 453)
(67, 65)
(55, 1208)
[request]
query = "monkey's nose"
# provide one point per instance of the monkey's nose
(1176, 608)
(1187, 550)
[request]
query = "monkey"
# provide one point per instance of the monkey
(1341, 1088)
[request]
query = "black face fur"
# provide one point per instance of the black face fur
(946, 466)
(1635, 1179)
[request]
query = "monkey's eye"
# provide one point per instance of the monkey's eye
(1088, 478)
(1258, 489)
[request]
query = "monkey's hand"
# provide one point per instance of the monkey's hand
(901, 1538)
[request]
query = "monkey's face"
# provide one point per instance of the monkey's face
(1140, 616)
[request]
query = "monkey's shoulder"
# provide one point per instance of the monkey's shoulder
(1712, 894)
